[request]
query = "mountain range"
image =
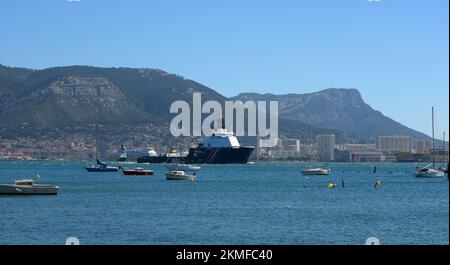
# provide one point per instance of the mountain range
(77, 96)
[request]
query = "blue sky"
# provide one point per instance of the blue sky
(394, 51)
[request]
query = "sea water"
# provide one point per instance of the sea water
(261, 203)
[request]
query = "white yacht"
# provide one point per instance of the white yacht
(429, 172)
(316, 171)
(180, 175)
(181, 167)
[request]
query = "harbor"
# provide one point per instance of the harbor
(258, 203)
(224, 132)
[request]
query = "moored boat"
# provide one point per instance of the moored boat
(123, 154)
(138, 171)
(153, 157)
(222, 147)
(427, 172)
(316, 171)
(101, 167)
(181, 167)
(180, 175)
(28, 187)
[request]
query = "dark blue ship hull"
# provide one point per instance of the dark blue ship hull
(101, 169)
(159, 159)
(219, 155)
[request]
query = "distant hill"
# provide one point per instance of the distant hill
(64, 96)
(76, 96)
(338, 109)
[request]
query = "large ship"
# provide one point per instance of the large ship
(221, 148)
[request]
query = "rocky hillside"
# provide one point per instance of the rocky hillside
(338, 109)
(70, 97)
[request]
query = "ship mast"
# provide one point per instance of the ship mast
(443, 142)
(95, 139)
(432, 133)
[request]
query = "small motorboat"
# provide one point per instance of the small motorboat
(180, 175)
(138, 171)
(181, 167)
(101, 167)
(316, 171)
(27, 187)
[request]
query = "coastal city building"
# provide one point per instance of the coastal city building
(284, 149)
(367, 156)
(307, 149)
(428, 145)
(358, 156)
(325, 147)
(341, 155)
(291, 145)
(356, 147)
(394, 143)
(420, 147)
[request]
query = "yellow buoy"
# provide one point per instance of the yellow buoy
(377, 183)
(331, 185)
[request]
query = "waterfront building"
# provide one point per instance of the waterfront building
(366, 156)
(291, 145)
(420, 147)
(325, 147)
(307, 149)
(428, 145)
(285, 154)
(357, 147)
(394, 143)
(284, 149)
(342, 155)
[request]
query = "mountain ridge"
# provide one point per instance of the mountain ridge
(80, 95)
(348, 112)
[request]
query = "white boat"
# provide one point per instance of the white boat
(180, 175)
(181, 167)
(316, 171)
(427, 172)
(27, 187)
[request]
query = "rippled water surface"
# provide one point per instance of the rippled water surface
(262, 203)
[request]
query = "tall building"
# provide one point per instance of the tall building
(285, 148)
(394, 143)
(325, 147)
(420, 147)
(307, 149)
(428, 145)
(291, 145)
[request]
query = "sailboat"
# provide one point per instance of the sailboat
(99, 166)
(429, 171)
(123, 153)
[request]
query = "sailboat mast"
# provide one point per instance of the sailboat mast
(132, 139)
(95, 139)
(443, 142)
(432, 133)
